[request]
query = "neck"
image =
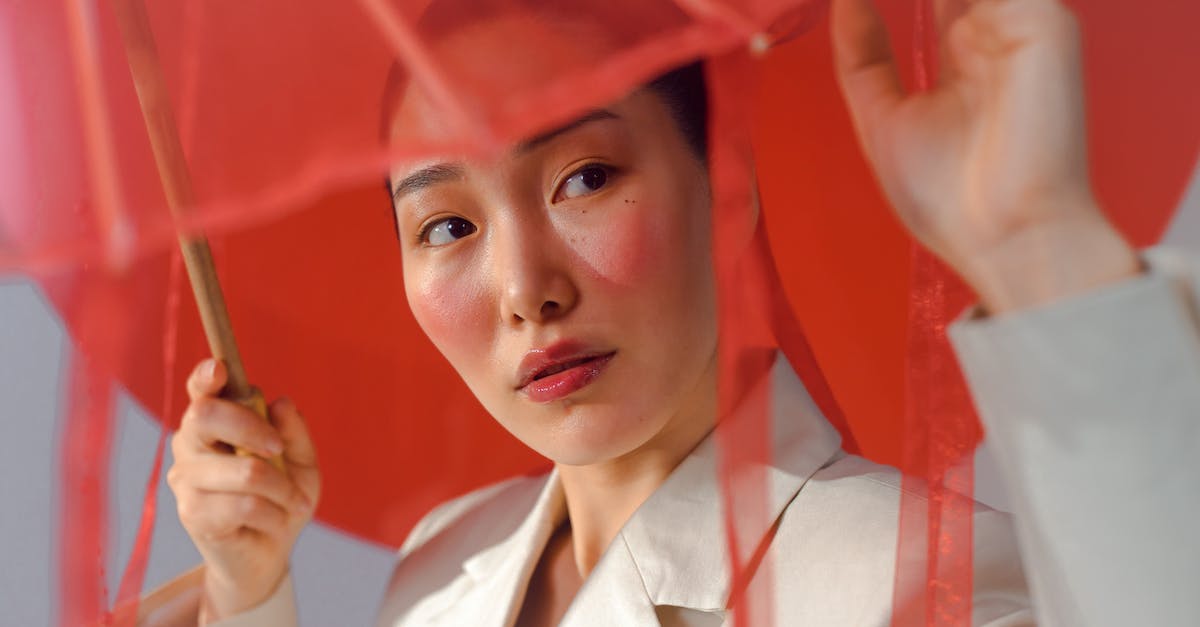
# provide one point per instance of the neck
(601, 497)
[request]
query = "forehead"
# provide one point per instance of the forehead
(616, 128)
(490, 66)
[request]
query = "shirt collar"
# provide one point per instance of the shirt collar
(501, 571)
(678, 537)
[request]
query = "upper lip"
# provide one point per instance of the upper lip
(539, 360)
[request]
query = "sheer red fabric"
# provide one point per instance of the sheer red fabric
(279, 104)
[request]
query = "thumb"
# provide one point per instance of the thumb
(298, 449)
(299, 453)
(206, 379)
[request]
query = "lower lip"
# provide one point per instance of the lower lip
(561, 384)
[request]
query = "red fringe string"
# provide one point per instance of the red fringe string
(87, 435)
(933, 582)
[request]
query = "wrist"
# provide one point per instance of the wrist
(1050, 261)
(224, 598)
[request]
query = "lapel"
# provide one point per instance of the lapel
(492, 587)
(613, 594)
(677, 540)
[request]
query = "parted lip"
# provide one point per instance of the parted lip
(563, 355)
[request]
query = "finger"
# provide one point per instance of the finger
(948, 16)
(218, 515)
(866, 67)
(210, 422)
(1004, 24)
(946, 12)
(241, 475)
(207, 379)
(298, 447)
(985, 42)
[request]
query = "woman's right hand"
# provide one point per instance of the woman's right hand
(242, 513)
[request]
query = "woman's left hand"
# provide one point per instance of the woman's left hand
(988, 169)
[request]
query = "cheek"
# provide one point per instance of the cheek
(451, 308)
(630, 246)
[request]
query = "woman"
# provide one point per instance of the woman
(568, 280)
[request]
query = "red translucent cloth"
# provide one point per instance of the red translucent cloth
(279, 106)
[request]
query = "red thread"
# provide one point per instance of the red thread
(129, 595)
(84, 457)
(934, 573)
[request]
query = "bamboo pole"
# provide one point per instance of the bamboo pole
(172, 165)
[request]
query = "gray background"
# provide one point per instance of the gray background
(339, 580)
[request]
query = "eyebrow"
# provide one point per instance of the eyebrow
(595, 115)
(425, 177)
(443, 172)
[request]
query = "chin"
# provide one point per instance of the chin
(584, 435)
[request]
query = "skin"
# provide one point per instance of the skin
(241, 512)
(552, 260)
(988, 170)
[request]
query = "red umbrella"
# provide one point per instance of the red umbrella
(278, 105)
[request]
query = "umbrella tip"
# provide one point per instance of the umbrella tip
(760, 43)
(119, 247)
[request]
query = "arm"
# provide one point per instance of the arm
(1093, 403)
(1087, 374)
(279, 610)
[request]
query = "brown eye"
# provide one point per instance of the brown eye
(447, 231)
(586, 181)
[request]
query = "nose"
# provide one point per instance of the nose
(534, 276)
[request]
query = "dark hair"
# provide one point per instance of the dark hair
(684, 92)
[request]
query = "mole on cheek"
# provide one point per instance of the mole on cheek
(628, 248)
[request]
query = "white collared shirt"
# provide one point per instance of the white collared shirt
(832, 556)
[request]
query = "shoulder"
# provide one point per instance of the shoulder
(867, 490)
(430, 571)
(878, 496)
(503, 506)
(844, 525)
(506, 501)
(848, 512)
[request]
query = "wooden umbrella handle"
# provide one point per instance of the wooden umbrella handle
(172, 165)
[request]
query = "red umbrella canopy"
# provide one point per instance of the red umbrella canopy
(280, 108)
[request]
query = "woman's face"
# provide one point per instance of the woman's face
(569, 280)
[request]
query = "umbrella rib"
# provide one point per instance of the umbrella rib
(721, 13)
(100, 153)
(400, 36)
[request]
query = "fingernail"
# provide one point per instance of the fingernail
(274, 447)
(210, 369)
